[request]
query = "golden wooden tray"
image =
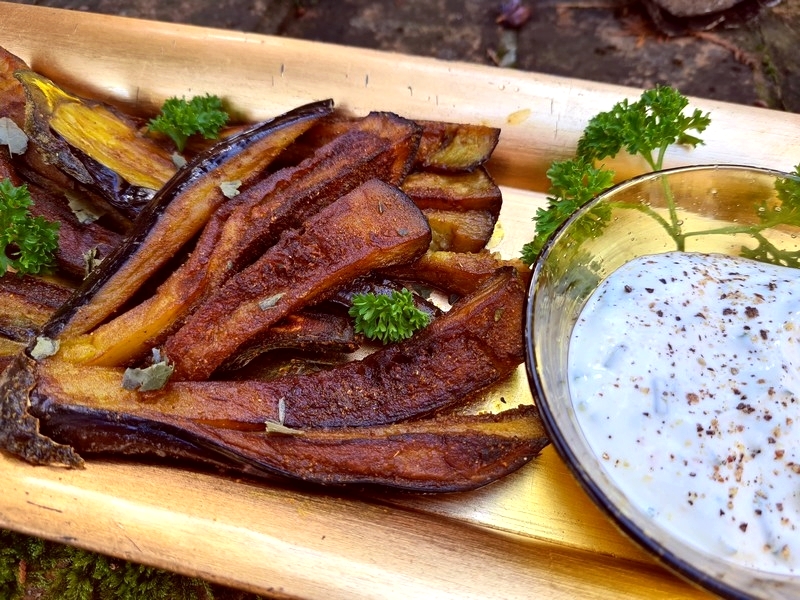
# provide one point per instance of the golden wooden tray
(533, 534)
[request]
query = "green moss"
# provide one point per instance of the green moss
(30, 567)
(16, 552)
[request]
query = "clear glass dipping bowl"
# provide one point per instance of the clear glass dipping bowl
(571, 267)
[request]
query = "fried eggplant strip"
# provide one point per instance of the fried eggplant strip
(446, 147)
(476, 343)
(474, 190)
(373, 226)
(251, 222)
(379, 146)
(309, 330)
(27, 303)
(178, 212)
(455, 146)
(456, 453)
(13, 104)
(457, 273)
(53, 182)
(97, 132)
(460, 231)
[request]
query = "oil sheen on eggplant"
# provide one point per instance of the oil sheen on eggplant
(295, 237)
(239, 232)
(192, 195)
(474, 344)
(457, 453)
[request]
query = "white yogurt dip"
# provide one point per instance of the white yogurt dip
(685, 378)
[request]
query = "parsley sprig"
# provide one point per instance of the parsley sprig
(180, 119)
(646, 128)
(573, 183)
(387, 318)
(785, 212)
(27, 243)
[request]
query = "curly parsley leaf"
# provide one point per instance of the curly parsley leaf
(785, 212)
(27, 243)
(645, 128)
(180, 118)
(788, 192)
(573, 183)
(387, 318)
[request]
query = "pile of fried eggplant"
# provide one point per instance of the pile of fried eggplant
(200, 312)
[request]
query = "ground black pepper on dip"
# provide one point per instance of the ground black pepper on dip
(685, 375)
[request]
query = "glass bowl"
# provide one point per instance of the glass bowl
(619, 225)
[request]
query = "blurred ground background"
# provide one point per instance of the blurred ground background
(747, 54)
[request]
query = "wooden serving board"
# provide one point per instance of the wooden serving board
(533, 534)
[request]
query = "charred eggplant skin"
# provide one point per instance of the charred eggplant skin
(200, 167)
(373, 226)
(20, 433)
(452, 454)
(246, 226)
(475, 344)
(93, 432)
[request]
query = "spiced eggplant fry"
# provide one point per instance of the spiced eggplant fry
(455, 146)
(379, 146)
(452, 454)
(177, 213)
(35, 163)
(324, 333)
(460, 231)
(374, 226)
(261, 242)
(474, 190)
(456, 453)
(444, 147)
(457, 273)
(94, 144)
(248, 224)
(475, 344)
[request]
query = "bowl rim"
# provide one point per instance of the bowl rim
(677, 564)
